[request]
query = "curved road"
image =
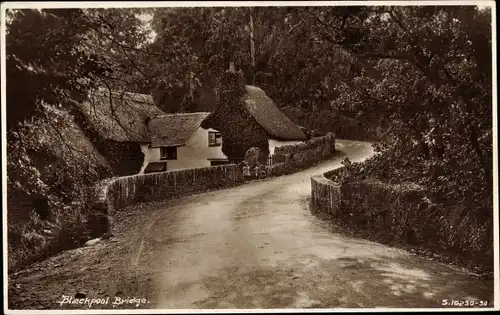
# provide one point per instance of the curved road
(258, 246)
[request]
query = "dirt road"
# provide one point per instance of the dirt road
(252, 246)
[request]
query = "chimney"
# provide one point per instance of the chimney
(232, 67)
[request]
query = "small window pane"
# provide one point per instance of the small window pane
(211, 138)
(218, 138)
(172, 153)
(214, 138)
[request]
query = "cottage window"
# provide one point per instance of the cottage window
(168, 153)
(214, 138)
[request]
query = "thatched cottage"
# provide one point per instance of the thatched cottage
(117, 123)
(280, 129)
(247, 117)
(137, 137)
(123, 133)
(181, 143)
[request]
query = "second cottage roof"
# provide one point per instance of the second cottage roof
(174, 129)
(267, 114)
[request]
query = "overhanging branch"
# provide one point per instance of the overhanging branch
(396, 56)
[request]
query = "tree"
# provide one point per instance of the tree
(435, 65)
(54, 58)
(119, 37)
(196, 45)
(55, 67)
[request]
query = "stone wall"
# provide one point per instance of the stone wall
(303, 155)
(402, 214)
(120, 192)
(391, 208)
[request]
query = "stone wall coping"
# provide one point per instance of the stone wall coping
(103, 186)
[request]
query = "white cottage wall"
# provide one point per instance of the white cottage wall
(196, 152)
(150, 155)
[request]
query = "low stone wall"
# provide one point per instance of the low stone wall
(302, 155)
(371, 204)
(119, 192)
(401, 214)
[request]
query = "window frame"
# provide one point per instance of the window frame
(216, 135)
(167, 155)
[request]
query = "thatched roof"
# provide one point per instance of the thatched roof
(174, 129)
(69, 136)
(121, 117)
(267, 114)
(85, 148)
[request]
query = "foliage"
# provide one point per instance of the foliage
(73, 51)
(120, 39)
(38, 239)
(45, 159)
(400, 213)
(56, 65)
(47, 154)
(438, 97)
(252, 157)
(194, 46)
(426, 73)
(288, 52)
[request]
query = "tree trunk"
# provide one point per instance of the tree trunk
(191, 86)
(252, 43)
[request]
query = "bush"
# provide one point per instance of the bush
(45, 162)
(38, 239)
(252, 157)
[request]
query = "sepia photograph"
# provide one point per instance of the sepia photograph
(249, 156)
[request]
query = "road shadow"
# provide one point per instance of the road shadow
(345, 282)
